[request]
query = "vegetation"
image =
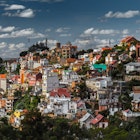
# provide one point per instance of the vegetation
(37, 127)
(2, 70)
(24, 53)
(26, 102)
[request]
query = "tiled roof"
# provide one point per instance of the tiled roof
(71, 60)
(106, 48)
(97, 119)
(60, 92)
(128, 39)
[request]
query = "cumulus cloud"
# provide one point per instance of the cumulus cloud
(64, 35)
(11, 49)
(93, 43)
(3, 45)
(37, 35)
(97, 38)
(16, 10)
(128, 14)
(7, 29)
(62, 29)
(29, 32)
(28, 13)
(92, 31)
(22, 33)
(125, 31)
(14, 7)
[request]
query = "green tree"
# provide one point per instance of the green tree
(125, 99)
(2, 70)
(1, 60)
(23, 53)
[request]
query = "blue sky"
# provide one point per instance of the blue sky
(85, 23)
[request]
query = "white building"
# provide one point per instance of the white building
(99, 83)
(44, 62)
(86, 120)
(69, 76)
(50, 81)
(85, 56)
(59, 95)
(132, 66)
(65, 108)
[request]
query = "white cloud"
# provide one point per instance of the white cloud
(18, 46)
(12, 47)
(125, 31)
(3, 45)
(11, 50)
(93, 43)
(48, 30)
(64, 35)
(29, 32)
(20, 11)
(15, 7)
(37, 35)
(6, 35)
(89, 31)
(7, 29)
(62, 29)
(82, 42)
(22, 33)
(28, 13)
(128, 14)
(92, 31)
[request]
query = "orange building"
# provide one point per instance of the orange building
(22, 76)
(2, 103)
(3, 83)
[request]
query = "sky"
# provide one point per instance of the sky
(85, 23)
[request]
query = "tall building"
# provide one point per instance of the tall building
(68, 50)
(50, 81)
(3, 83)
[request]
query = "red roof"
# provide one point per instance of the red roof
(60, 92)
(98, 57)
(106, 48)
(97, 119)
(128, 39)
(71, 60)
(15, 77)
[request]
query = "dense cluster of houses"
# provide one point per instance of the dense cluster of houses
(58, 87)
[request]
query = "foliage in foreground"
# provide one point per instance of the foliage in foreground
(37, 127)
